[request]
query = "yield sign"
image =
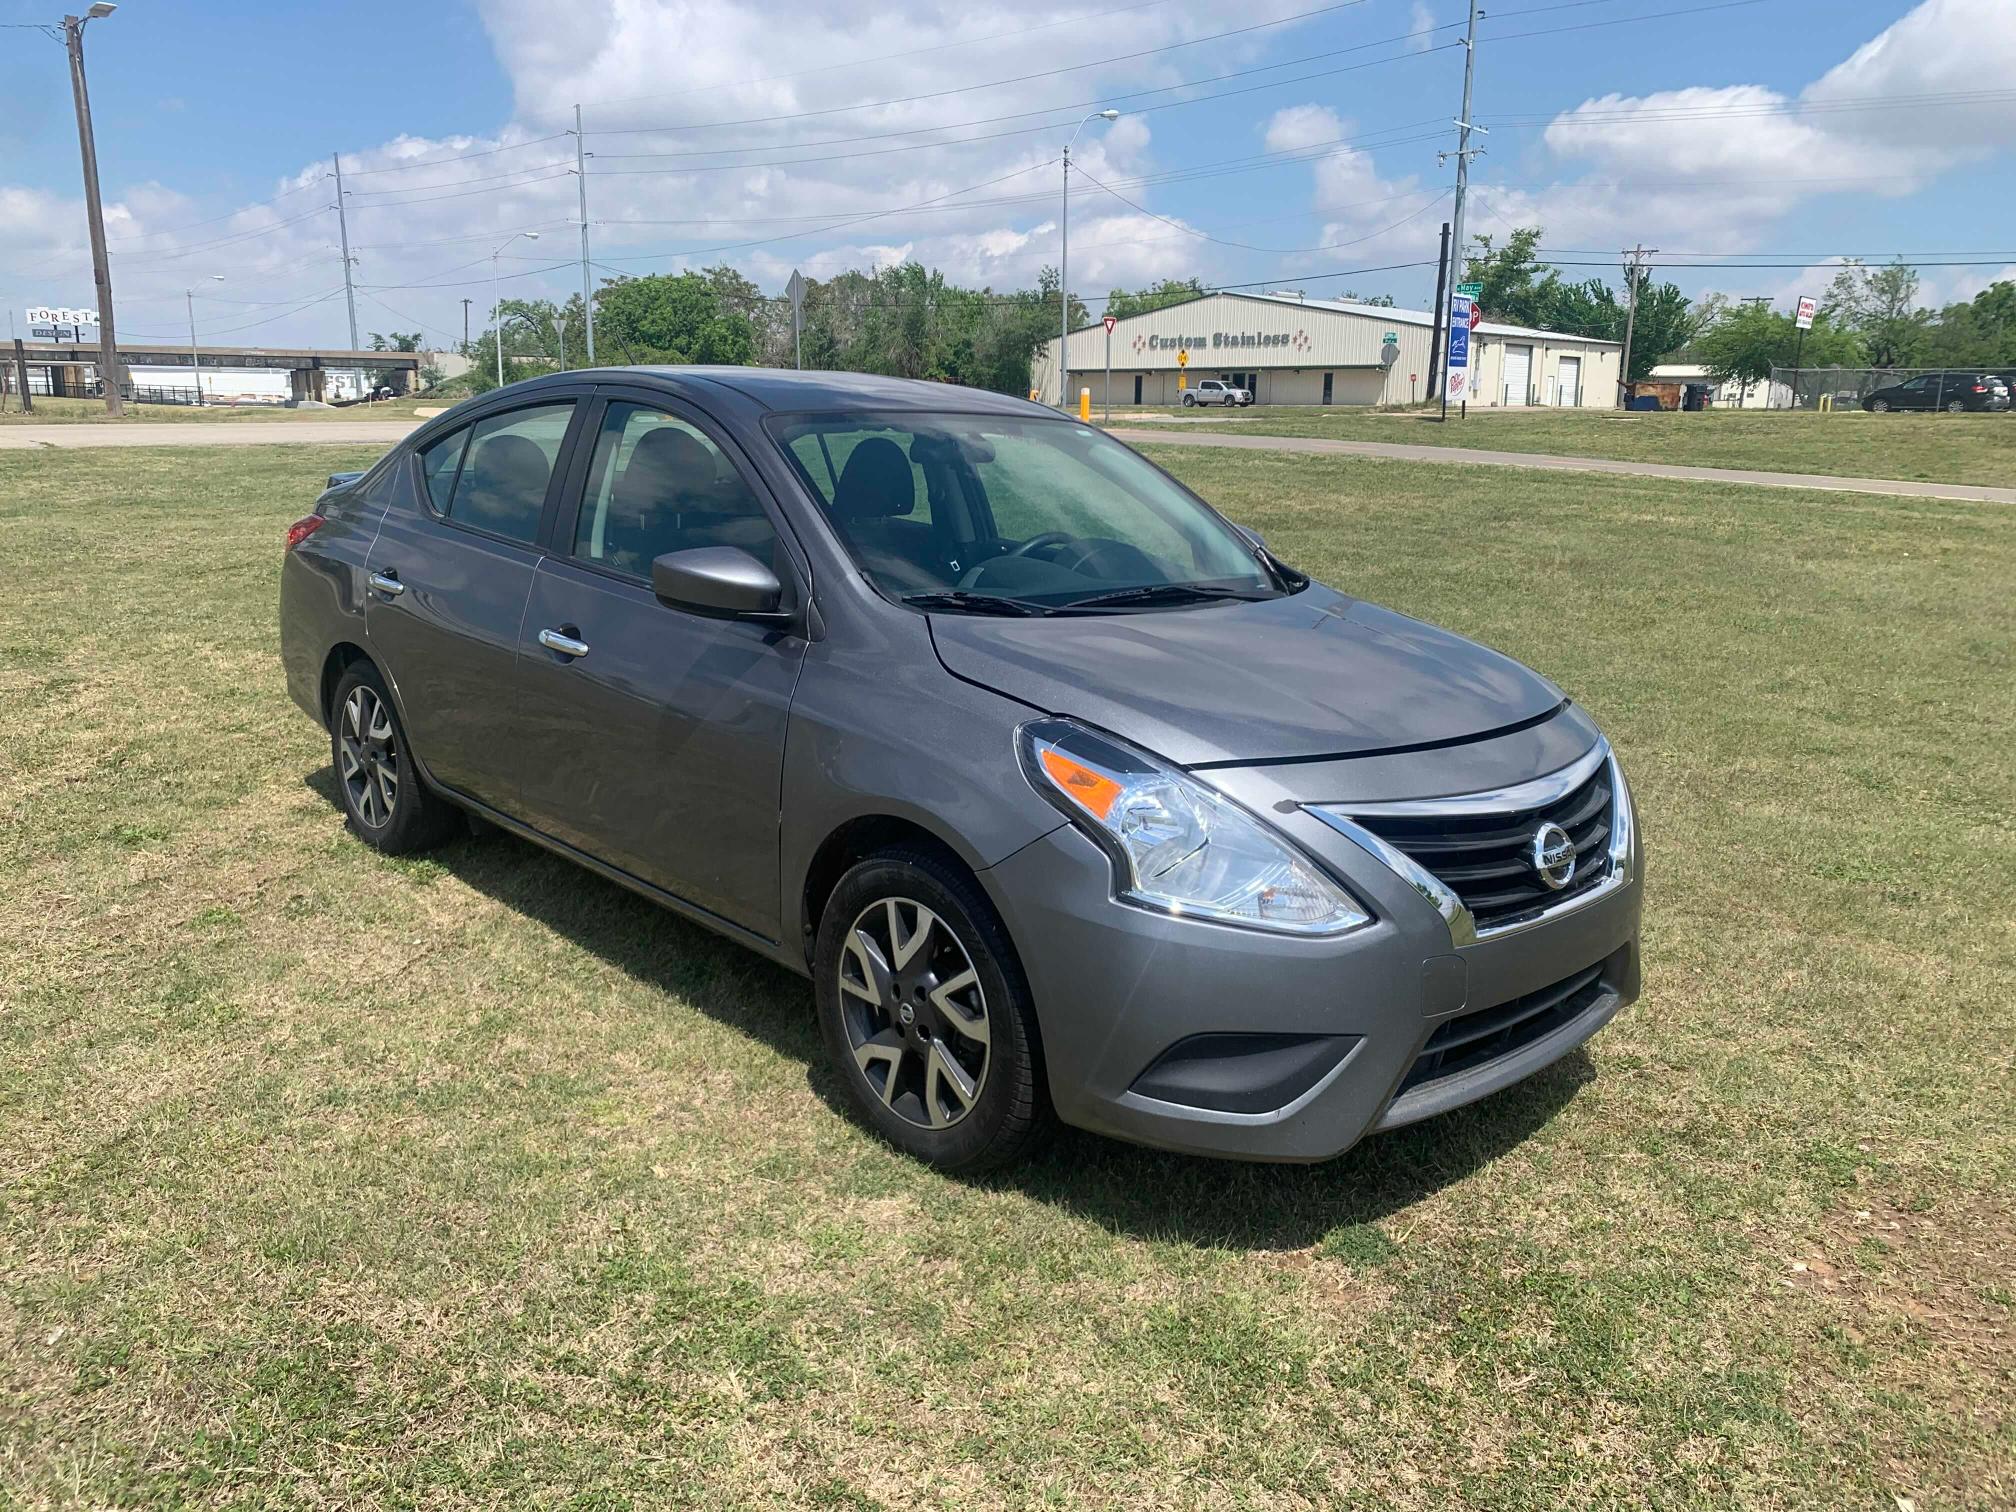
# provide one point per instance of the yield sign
(1110, 322)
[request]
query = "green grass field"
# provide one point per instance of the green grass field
(471, 1180)
(1912, 448)
(50, 411)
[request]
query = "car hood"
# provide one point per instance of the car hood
(1316, 673)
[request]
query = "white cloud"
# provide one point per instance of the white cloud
(1421, 27)
(1719, 168)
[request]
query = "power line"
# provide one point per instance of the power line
(460, 157)
(885, 57)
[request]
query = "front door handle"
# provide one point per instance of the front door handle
(566, 645)
(388, 584)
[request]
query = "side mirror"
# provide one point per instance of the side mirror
(723, 581)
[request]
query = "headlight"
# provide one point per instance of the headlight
(1176, 845)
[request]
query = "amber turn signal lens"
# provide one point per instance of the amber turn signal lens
(1091, 790)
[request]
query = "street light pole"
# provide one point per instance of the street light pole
(1064, 267)
(497, 297)
(110, 372)
(195, 361)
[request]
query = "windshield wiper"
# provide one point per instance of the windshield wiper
(972, 603)
(1163, 593)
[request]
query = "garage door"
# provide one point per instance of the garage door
(1518, 373)
(1569, 391)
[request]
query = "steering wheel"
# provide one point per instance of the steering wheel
(1048, 538)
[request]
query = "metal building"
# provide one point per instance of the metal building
(1292, 350)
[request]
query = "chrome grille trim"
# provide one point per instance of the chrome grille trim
(1463, 930)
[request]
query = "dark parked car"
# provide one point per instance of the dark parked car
(1072, 799)
(1955, 392)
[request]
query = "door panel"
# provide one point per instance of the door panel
(660, 748)
(444, 603)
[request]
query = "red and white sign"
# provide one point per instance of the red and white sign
(1111, 321)
(1808, 308)
(1459, 382)
(1476, 316)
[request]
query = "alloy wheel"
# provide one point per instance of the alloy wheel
(369, 763)
(915, 1013)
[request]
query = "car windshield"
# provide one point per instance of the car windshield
(1000, 514)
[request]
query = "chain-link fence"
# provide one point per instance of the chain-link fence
(1892, 388)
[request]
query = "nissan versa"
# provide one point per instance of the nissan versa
(1074, 800)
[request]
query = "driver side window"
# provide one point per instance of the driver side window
(658, 484)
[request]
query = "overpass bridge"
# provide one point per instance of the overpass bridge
(71, 367)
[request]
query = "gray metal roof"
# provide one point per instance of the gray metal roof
(1418, 318)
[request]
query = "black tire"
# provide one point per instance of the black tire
(1879, 406)
(1010, 1115)
(1189, 400)
(408, 818)
(1956, 406)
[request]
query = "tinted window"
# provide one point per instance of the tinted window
(658, 484)
(502, 484)
(438, 464)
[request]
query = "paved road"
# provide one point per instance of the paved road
(385, 432)
(1400, 451)
(207, 433)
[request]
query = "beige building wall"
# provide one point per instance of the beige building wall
(1286, 349)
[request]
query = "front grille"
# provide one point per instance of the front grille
(1471, 1039)
(1487, 859)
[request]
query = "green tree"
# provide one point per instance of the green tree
(1880, 306)
(1521, 290)
(1981, 330)
(397, 341)
(1747, 340)
(683, 317)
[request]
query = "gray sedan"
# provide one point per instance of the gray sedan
(1073, 800)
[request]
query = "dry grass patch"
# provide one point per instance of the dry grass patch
(474, 1180)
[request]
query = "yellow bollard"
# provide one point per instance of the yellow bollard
(1085, 405)
(1826, 404)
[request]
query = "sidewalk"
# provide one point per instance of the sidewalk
(29, 436)
(1402, 452)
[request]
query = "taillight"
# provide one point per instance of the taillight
(303, 528)
(1980, 388)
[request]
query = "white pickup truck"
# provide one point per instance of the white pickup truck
(1212, 391)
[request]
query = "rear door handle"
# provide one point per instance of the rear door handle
(388, 584)
(566, 645)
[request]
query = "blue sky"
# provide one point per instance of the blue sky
(1775, 131)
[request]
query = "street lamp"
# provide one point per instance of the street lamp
(1064, 267)
(195, 363)
(497, 297)
(109, 370)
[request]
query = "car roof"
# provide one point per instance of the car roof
(791, 390)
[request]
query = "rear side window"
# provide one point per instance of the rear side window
(502, 471)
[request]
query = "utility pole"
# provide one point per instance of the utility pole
(1440, 340)
(465, 321)
(343, 234)
(1464, 152)
(1634, 272)
(111, 372)
(587, 292)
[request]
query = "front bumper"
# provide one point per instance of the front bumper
(1144, 1016)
